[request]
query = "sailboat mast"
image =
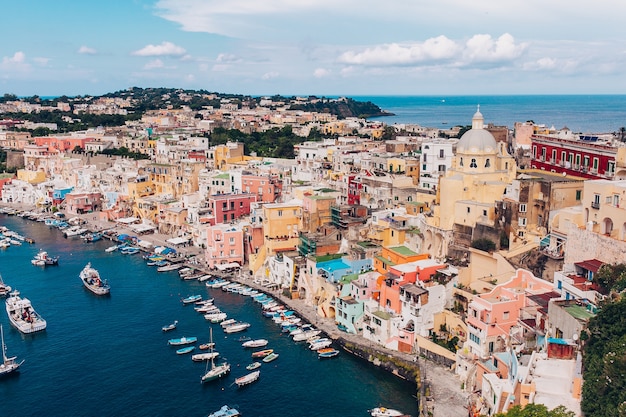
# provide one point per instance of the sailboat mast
(4, 348)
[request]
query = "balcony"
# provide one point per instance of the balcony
(595, 205)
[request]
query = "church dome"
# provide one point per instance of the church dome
(477, 139)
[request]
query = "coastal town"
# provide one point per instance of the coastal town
(480, 255)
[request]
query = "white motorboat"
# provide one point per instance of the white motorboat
(4, 288)
(237, 327)
(255, 343)
(206, 356)
(22, 315)
(43, 259)
(92, 281)
(385, 412)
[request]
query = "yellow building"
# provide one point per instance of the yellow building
(281, 225)
(477, 179)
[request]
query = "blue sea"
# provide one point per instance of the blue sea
(107, 356)
(579, 113)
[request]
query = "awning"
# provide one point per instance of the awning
(127, 220)
(224, 267)
(141, 228)
(177, 240)
(590, 265)
(145, 244)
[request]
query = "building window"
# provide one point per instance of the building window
(505, 315)
(522, 221)
(473, 163)
(553, 160)
(485, 213)
(461, 162)
(487, 163)
(596, 163)
(579, 194)
(586, 161)
(441, 153)
(280, 213)
(468, 209)
(522, 208)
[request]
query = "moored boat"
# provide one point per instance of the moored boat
(43, 259)
(327, 353)
(262, 353)
(215, 371)
(253, 366)
(191, 299)
(9, 364)
(185, 350)
(271, 357)
(385, 412)
(225, 411)
(182, 341)
(248, 378)
(207, 356)
(4, 288)
(22, 315)
(255, 343)
(169, 327)
(92, 281)
(237, 327)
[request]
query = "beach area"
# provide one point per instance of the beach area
(441, 389)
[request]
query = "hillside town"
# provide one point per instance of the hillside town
(478, 252)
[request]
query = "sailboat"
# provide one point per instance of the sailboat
(216, 371)
(8, 365)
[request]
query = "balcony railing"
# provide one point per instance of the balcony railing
(595, 205)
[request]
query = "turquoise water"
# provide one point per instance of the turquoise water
(107, 356)
(580, 113)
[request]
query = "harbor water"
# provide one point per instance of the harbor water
(108, 356)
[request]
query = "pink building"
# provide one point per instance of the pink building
(266, 188)
(65, 144)
(227, 208)
(225, 245)
(490, 316)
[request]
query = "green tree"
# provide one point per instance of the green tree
(484, 244)
(536, 410)
(611, 277)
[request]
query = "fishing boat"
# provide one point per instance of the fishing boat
(92, 281)
(22, 315)
(271, 357)
(215, 371)
(306, 335)
(112, 248)
(9, 364)
(253, 366)
(191, 299)
(169, 327)
(327, 353)
(255, 343)
(43, 259)
(206, 346)
(215, 317)
(262, 353)
(185, 350)
(248, 378)
(207, 356)
(182, 341)
(4, 288)
(129, 250)
(92, 236)
(237, 327)
(169, 267)
(385, 412)
(225, 411)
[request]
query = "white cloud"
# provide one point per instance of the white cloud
(164, 49)
(434, 49)
(156, 63)
(17, 58)
(270, 75)
(87, 50)
(321, 73)
(483, 48)
(227, 59)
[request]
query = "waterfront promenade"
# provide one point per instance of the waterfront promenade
(445, 396)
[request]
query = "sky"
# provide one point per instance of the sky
(314, 47)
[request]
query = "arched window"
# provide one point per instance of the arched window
(487, 163)
(461, 162)
(473, 163)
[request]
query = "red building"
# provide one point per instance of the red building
(354, 190)
(585, 157)
(229, 207)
